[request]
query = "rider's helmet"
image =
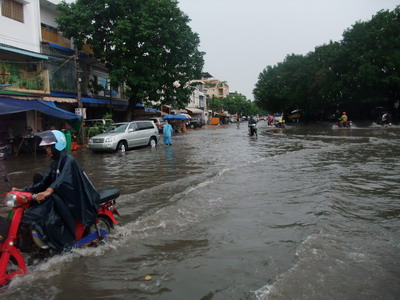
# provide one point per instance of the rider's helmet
(53, 138)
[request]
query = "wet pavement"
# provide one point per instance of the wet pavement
(305, 212)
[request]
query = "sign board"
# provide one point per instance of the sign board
(81, 112)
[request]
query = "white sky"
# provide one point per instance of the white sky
(242, 37)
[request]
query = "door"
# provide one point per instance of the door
(133, 135)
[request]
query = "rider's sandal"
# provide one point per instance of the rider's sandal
(38, 241)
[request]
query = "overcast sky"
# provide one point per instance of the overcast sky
(241, 37)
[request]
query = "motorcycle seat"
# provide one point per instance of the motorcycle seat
(107, 194)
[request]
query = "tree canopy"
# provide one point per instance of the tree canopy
(358, 73)
(235, 103)
(148, 45)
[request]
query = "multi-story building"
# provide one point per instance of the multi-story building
(37, 63)
(22, 76)
(215, 87)
(198, 102)
(96, 93)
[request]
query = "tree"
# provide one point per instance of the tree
(215, 104)
(148, 45)
(233, 104)
(358, 73)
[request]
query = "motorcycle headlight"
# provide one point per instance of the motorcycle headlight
(11, 200)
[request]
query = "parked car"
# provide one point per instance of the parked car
(125, 135)
(159, 123)
(196, 122)
(93, 122)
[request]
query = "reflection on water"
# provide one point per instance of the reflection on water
(305, 212)
(170, 160)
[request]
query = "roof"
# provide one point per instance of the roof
(194, 110)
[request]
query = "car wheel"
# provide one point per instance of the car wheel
(122, 146)
(192, 126)
(153, 142)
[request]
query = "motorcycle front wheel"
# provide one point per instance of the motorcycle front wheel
(13, 269)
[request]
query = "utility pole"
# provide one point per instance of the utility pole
(110, 90)
(79, 94)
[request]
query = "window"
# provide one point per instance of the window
(13, 10)
(133, 126)
(145, 125)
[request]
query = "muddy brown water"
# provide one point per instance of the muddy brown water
(305, 212)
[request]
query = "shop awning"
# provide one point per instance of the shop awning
(60, 99)
(194, 110)
(14, 94)
(104, 101)
(12, 106)
(24, 52)
(65, 49)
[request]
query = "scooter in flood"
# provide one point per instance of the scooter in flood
(280, 124)
(253, 129)
(16, 238)
(346, 124)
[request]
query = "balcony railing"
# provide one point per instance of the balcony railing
(56, 38)
(25, 76)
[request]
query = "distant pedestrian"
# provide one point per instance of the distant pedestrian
(167, 131)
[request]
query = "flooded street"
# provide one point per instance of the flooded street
(305, 212)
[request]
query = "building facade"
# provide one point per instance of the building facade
(38, 64)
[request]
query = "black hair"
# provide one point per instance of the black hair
(55, 152)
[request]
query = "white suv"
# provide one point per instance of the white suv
(125, 135)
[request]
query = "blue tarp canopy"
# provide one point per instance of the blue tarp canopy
(65, 49)
(91, 100)
(104, 101)
(12, 106)
(175, 117)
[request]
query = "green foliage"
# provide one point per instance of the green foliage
(99, 127)
(360, 72)
(234, 104)
(146, 44)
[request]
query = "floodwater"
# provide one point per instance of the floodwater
(305, 212)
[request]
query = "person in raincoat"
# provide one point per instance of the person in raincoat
(64, 194)
(167, 131)
(343, 119)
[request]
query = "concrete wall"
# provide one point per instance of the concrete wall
(25, 35)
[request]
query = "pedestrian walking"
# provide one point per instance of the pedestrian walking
(167, 131)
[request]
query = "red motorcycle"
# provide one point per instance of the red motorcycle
(16, 238)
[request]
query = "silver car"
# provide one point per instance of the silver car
(125, 135)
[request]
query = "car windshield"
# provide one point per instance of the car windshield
(117, 128)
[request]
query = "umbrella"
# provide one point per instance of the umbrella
(175, 117)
